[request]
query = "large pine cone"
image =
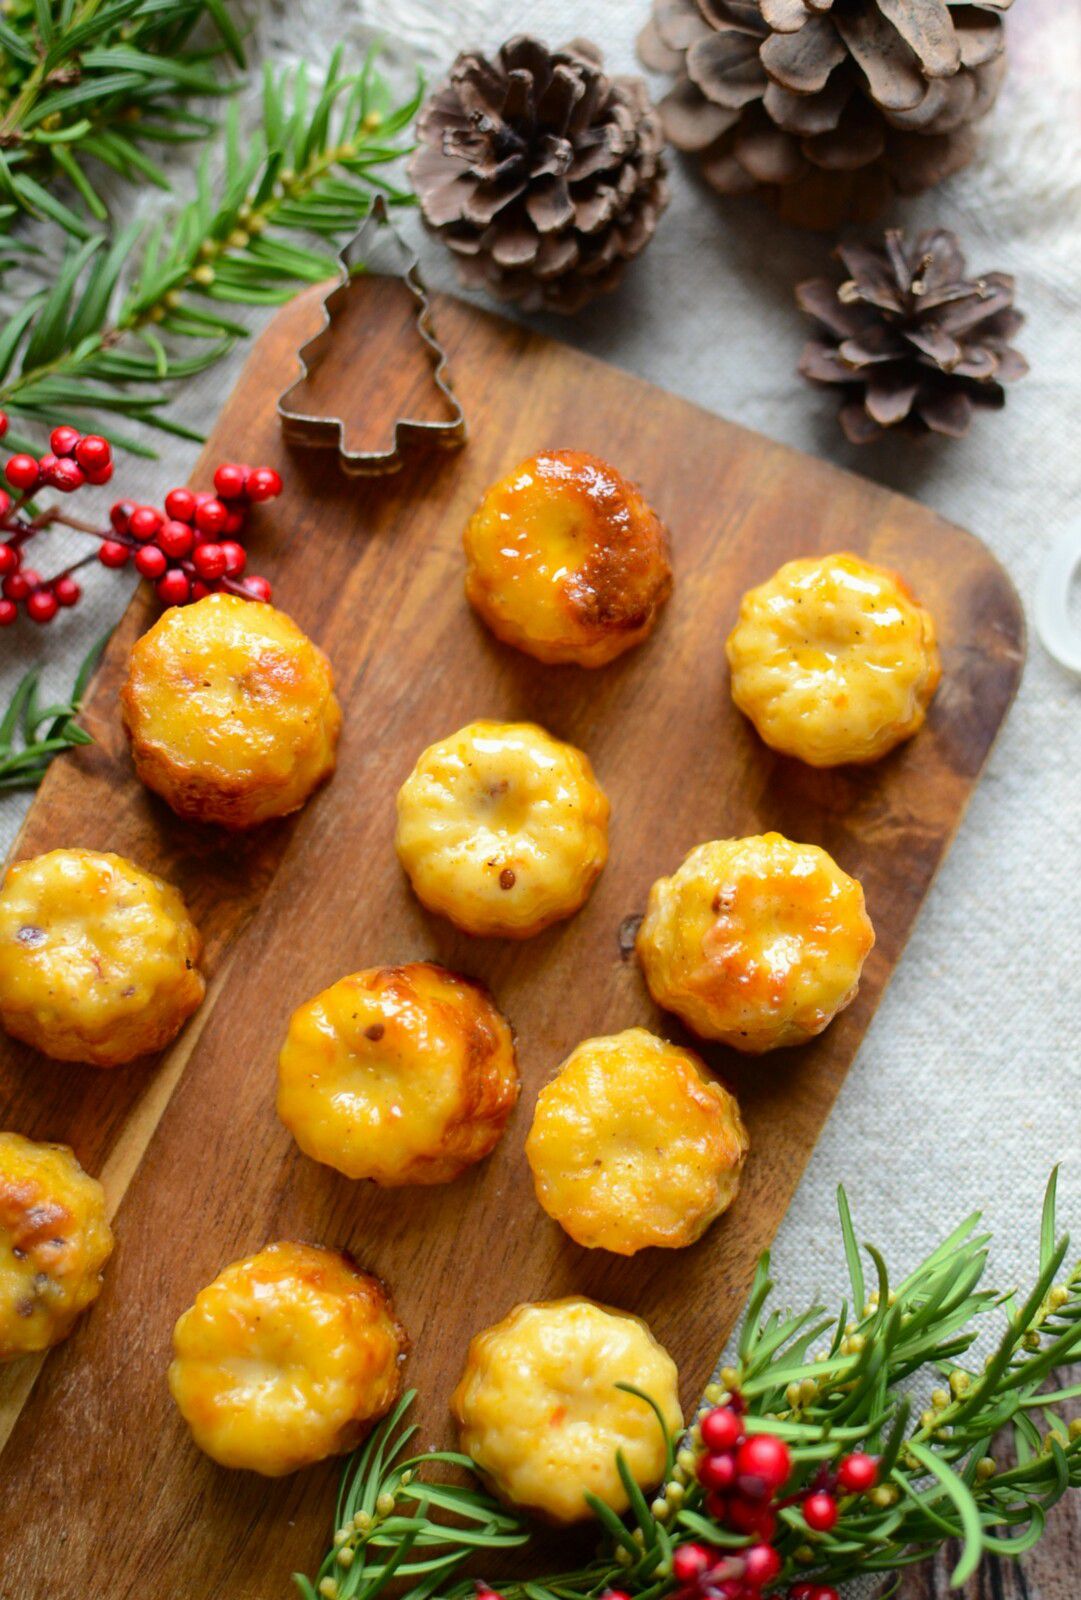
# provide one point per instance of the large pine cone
(914, 344)
(542, 175)
(833, 104)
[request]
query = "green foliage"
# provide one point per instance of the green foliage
(90, 346)
(95, 81)
(828, 1385)
(32, 734)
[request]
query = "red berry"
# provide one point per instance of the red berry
(46, 463)
(615, 1594)
(8, 610)
(102, 475)
(236, 557)
(176, 538)
(150, 562)
(174, 588)
(717, 1506)
(67, 476)
(111, 553)
(211, 517)
(764, 1463)
(234, 522)
(67, 591)
(42, 606)
(17, 586)
(209, 560)
(263, 484)
(22, 472)
(3, 423)
(857, 1473)
(762, 1565)
(229, 480)
(180, 503)
(820, 1511)
(717, 1471)
(120, 515)
(5, 499)
(689, 1561)
(9, 559)
(751, 1516)
(199, 589)
(257, 588)
(144, 522)
(64, 439)
(802, 1591)
(721, 1429)
(92, 453)
(824, 1591)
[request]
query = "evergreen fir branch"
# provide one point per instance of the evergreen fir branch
(95, 80)
(974, 1467)
(32, 734)
(88, 346)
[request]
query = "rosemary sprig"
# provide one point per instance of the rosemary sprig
(974, 1465)
(32, 734)
(96, 80)
(311, 168)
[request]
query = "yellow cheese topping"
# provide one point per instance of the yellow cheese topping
(539, 1412)
(633, 1144)
(502, 828)
(758, 942)
(54, 1242)
(833, 660)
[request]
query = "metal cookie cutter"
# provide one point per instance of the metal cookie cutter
(1061, 638)
(379, 250)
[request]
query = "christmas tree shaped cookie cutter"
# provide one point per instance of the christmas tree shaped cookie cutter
(375, 250)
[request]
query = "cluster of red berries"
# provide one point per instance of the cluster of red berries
(187, 550)
(742, 1475)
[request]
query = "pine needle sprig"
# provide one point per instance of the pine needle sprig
(32, 734)
(96, 80)
(966, 1461)
(87, 345)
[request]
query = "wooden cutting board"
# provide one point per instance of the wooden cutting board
(101, 1490)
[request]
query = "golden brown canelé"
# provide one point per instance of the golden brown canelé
(566, 561)
(98, 959)
(286, 1358)
(502, 828)
(231, 711)
(833, 660)
(54, 1242)
(758, 942)
(405, 1075)
(633, 1144)
(540, 1414)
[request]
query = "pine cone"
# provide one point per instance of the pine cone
(832, 104)
(543, 176)
(913, 343)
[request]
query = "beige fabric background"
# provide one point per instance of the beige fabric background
(966, 1090)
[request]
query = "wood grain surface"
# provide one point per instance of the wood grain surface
(101, 1490)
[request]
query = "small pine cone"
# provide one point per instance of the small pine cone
(543, 176)
(913, 344)
(831, 106)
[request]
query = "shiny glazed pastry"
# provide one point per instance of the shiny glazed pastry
(539, 1413)
(757, 941)
(401, 1074)
(231, 712)
(833, 661)
(286, 1358)
(97, 957)
(633, 1144)
(502, 828)
(54, 1242)
(566, 560)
